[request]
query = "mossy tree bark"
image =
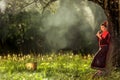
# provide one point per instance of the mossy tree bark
(112, 11)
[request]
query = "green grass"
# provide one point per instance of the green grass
(50, 67)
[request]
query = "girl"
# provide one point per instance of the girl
(99, 61)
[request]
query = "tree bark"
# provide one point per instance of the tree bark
(112, 11)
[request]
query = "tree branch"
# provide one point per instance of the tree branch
(28, 4)
(50, 2)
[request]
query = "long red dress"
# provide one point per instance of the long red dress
(99, 60)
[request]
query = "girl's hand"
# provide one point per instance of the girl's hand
(98, 35)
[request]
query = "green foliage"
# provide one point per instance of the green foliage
(20, 30)
(51, 67)
(22, 24)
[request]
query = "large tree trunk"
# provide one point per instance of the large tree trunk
(112, 11)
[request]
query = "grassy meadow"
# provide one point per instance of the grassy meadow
(50, 67)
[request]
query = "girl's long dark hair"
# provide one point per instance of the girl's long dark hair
(105, 23)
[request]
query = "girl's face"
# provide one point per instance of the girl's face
(103, 28)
